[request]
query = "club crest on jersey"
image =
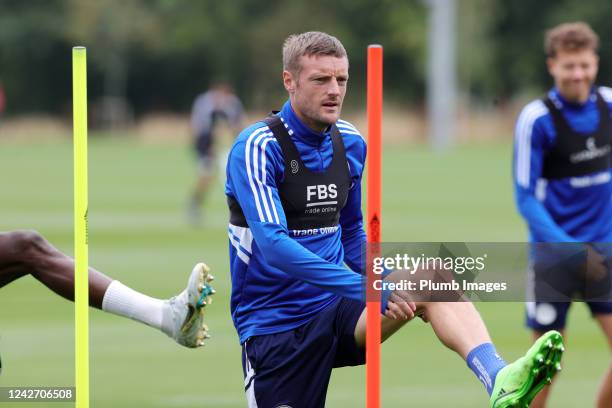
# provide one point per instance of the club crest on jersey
(590, 143)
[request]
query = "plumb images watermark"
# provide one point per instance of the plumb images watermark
(431, 285)
(490, 271)
(427, 274)
(37, 394)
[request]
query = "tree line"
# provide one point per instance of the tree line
(159, 54)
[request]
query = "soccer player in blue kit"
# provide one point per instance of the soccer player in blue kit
(294, 193)
(562, 175)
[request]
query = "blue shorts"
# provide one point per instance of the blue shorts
(293, 368)
(552, 291)
(203, 143)
(544, 316)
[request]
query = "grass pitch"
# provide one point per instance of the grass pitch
(139, 235)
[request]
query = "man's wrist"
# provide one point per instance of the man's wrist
(384, 300)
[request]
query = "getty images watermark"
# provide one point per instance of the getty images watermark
(429, 269)
(445, 272)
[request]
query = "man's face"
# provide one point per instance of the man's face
(574, 73)
(317, 91)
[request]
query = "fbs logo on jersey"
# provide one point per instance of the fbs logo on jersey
(591, 152)
(321, 192)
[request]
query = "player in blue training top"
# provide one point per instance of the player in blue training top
(562, 177)
(294, 193)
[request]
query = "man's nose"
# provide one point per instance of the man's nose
(334, 87)
(578, 73)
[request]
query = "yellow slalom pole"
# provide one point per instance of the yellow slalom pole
(81, 278)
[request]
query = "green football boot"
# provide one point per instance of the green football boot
(517, 384)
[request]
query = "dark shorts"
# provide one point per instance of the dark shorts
(293, 368)
(203, 143)
(553, 297)
(543, 316)
(204, 152)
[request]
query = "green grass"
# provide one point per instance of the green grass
(138, 235)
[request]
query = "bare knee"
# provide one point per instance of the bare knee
(27, 240)
(427, 309)
(29, 246)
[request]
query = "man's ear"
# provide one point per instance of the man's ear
(550, 64)
(289, 81)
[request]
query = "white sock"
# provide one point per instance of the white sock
(124, 301)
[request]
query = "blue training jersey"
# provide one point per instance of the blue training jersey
(281, 279)
(571, 209)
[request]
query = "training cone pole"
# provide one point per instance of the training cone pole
(373, 217)
(81, 278)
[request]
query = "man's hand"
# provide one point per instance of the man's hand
(400, 307)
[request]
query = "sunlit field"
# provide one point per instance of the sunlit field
(138, 233)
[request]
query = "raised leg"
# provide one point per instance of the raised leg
(458, 325)
(180, 317)
(28, 253)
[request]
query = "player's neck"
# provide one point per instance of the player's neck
(311, 124)
(309, 134)
(574, 99)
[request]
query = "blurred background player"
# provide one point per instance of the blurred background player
(180, 317)
(296, 237)
(209, 108)
(562, 173)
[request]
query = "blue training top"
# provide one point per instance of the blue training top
(570, 209)
(282, 279)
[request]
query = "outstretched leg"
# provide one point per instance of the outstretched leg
(180, 317)
(28, 253)
(459, 326)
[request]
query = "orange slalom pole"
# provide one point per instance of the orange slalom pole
(373, 217)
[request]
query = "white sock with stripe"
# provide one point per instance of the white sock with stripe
(124, 301)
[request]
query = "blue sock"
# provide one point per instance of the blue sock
(485, 363)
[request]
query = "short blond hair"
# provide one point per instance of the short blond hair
(570, 37)
(309, 43)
